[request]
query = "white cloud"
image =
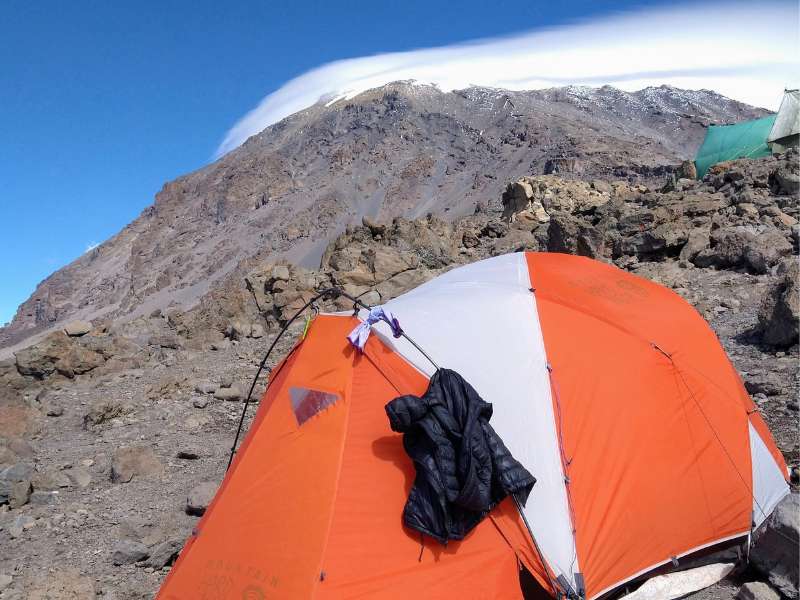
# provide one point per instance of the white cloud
(745, 51)
(91, 246)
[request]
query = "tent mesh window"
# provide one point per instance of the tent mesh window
(306, 402)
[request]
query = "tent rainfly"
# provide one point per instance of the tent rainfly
(785, 132)
(610, 389)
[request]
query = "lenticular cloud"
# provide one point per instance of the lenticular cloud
(746, 52)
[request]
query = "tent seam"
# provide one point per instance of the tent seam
(320, 567)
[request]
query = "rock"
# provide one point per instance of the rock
(231, 394)
(43, 498)
(221, 345)
(785, 182)
(79, 476)
(697, 241)
(687, 170)
(385, 262)
(21, 471)
(104, 410)
(164, 554)
(139, 461)
(54, 410)
(20, 494)
(200, 497)
(20, 525)
(77, 328)
(768, 383)
(374, 227)
(775, 549)
(205, 387)
(189, 453)
(165, 340)
(280, 273)
(49, 481)
(780, 308)
(225, 381)
(5, 581)
(371, 298)
(517, 199)
(15, 493)
(757, 590)
(128, 552)
(257, 331)
(739, 247)
(238, 330)
(200, 402)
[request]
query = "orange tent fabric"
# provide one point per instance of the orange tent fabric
(610, 389)
(315, 510)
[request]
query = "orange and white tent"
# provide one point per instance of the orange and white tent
(610, 389)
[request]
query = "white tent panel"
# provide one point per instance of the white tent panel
(769, 485)
(503, 358)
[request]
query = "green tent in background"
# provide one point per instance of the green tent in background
(726, 142)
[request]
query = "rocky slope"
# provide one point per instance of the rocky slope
(101, 472)
(401, 150)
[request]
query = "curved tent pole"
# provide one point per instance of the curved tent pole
(326, 294)
(330, 294)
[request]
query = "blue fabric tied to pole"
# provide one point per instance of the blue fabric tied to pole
(359, 336)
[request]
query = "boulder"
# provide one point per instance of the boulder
(20, 471)
(103, 410)
(738, 247)
(77, 328)
(20, 525)
(39, 360)
(49, 481)
(134, 461)
(128, 552)
(20, 494)
(280, 273)
(232, 394)
(238, 330)
(757, 590)
(166, 339)
(200, 497)
(205, 387)
(775, 549)
(785, 182)
(385, 262)
(779, 313)
(79, 477)
(164, 554)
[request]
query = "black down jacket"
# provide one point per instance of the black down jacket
(463, 467)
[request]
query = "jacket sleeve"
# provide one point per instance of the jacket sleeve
(404, 411)
(511, 475)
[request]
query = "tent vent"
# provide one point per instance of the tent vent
(306, 403)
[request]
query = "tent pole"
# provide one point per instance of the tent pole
(556, 588)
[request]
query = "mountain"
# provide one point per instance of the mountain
(399, 150)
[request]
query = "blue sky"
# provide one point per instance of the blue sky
(103, 102)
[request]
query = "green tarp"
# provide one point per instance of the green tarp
(726, 142)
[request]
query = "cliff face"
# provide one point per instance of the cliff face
(400, 150)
